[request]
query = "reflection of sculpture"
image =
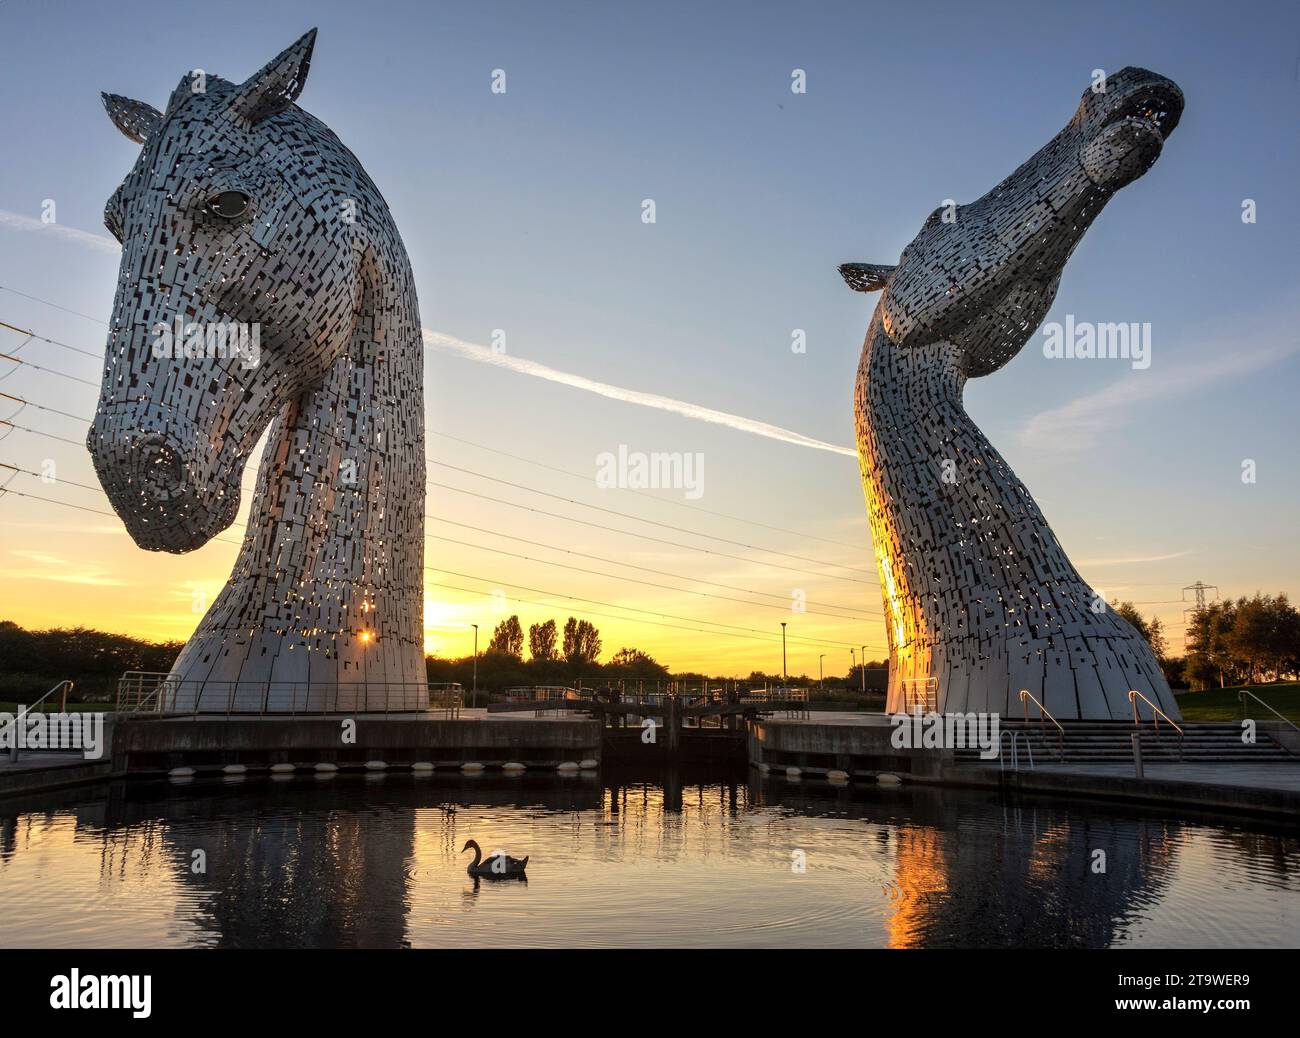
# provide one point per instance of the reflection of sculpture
(978, 593)
(244, 214)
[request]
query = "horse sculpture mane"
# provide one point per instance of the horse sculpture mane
(980, 599)
(263, 284)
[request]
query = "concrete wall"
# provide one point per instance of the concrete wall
(859, 749)
(162, 744)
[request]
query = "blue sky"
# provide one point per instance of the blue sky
(522, 212)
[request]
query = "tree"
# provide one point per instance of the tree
(508, 638)
(636, 665)
(581, 641)
(541, 641)
(1263, 636)
(1209, 658)
(1152, 630)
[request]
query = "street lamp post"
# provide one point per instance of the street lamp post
(864, 670)
(853, 658)
(473, 696)
(785, 674)
(821, 670)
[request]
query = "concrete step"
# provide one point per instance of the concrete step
(1109, 742)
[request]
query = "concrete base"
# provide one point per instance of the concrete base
(857, 744)
(861, 746)
(38, 773)
(1221, 791)
(149, 745)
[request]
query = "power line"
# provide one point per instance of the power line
(643, 536)
(88, 353)
(42, 407)
(37, 432)
(610, 616)
(534, 463)
(548, 562)
(648, 569)
(638, 519)
(555, 547)
(48, 371)
(608, 576)
(52, 342)
(486, 580)
(459, 439)
(526, 558)
(46, 302)
(555, 515)
(635, 609)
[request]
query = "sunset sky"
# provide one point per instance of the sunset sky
(522, 212)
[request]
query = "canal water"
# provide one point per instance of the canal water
(699, 860)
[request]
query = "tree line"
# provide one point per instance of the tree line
(1247, 641)
(556, 656)
(34, 661)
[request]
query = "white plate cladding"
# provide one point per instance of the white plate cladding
(263, 283)
(979, 596)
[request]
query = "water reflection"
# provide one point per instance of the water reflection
(630, 860)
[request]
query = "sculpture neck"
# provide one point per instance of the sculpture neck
(328, 587)
(960, 544)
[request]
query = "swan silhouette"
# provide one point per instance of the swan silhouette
(498, 864)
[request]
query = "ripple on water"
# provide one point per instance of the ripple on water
(378, 864)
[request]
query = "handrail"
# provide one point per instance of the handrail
(1025, 697)
(1242, 694)
(63, 687)
(1014, 736)
(1156, 713)
(144, 692)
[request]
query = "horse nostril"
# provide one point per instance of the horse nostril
(159, 459)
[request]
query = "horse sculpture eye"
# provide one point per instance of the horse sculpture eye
(229, 204)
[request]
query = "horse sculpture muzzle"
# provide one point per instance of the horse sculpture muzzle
(982, 276)
(152, 468)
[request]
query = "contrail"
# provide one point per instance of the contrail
(484, 355)
(100, 242)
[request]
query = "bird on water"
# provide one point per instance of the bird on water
(497, 864)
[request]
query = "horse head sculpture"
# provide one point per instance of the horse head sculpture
(263, 284)
(981, 601)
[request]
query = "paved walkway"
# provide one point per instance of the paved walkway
(1281, 776)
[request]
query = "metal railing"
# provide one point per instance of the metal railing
(922, 692)
(62, 688)
(1026, 697)
(544, 694)
(1014, 736)
(145, 692)
(446, 697)
(1242, 694)
(780, 694)
(1156, 713)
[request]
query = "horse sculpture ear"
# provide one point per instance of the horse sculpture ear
(135, 119)
(866, 277)
(277, 86)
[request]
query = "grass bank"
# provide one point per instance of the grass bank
(1222, 704)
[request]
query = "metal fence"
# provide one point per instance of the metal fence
(146, 692)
